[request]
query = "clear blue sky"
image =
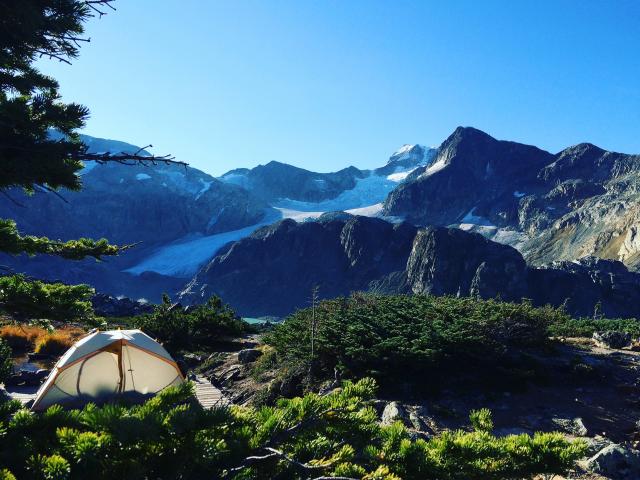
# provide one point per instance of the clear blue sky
(325, 84)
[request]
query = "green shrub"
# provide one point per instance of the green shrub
(197, 327)
(338, 434)
(415, 337)
(265, 362)
(481, 420)
(6, 475)
(25, 298)
(586, 327)
(53, 467)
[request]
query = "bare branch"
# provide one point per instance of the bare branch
(95, 4)
(142, 148)
(52, 56)
(279, 455)
(127, 158)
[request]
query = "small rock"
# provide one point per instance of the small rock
(612, 339)
(192, 359)
(393, 412)
(616, 461)
(249, 355)
(574, 426)
(327, 387)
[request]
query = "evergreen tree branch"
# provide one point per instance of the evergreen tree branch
(13, 243)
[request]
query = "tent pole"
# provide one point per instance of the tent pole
(120, 369)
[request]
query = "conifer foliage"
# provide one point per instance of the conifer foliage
(31, 158)
(310, 437)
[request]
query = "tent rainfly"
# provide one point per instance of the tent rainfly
(104, 365)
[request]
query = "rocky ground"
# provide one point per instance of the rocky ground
(592, 392)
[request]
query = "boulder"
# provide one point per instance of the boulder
(574, 426)
(394, 412)
(616, 461)
(612, 339)
(249, 355)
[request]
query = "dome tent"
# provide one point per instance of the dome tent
(107, 364)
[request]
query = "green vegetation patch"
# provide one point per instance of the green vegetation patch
(25, 298)
(197, 327)
(171, 436)
(586, 327)
(420, 339)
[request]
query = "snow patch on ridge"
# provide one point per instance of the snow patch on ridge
(205, 187)
(433, 168)
(305, 216)
(472, 221)
(370, 211)
(400, 176)
(143, 176)
(367, 191)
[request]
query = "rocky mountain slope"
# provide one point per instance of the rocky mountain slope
(273, 271)
(581, 201)
(148, 206)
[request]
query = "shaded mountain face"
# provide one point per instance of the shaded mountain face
(582, 201)
(273, 271)
(148, 206)
(471, 169)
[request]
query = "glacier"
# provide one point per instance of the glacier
(185, 256)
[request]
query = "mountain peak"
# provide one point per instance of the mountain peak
(583, 149)
(464, 133)
(406, 152)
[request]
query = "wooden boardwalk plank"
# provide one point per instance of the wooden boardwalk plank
(208, 395)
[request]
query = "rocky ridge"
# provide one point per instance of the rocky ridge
(273, 271)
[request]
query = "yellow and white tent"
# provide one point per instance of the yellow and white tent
(103, 365)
